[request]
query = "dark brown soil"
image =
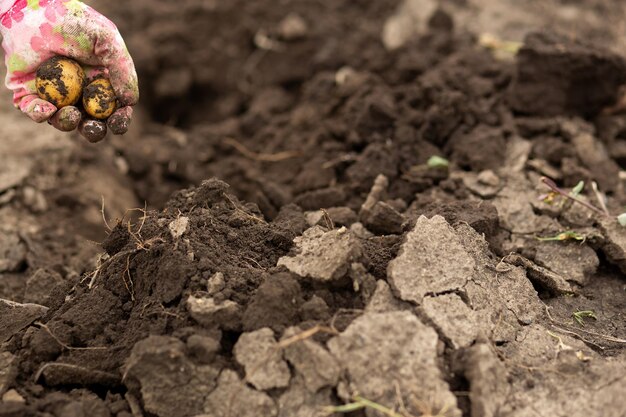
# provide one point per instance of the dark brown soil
(284, 158)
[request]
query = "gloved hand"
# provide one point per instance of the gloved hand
(36, 30)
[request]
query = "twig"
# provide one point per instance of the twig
(106, 223)
(552, 185)
(262, 157)
(307, 334)
(600, 198)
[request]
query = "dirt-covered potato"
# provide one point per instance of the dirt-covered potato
(60, 81)
(99, 99)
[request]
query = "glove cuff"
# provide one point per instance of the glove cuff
(5, 5)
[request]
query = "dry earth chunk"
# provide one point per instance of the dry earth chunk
(323, 256)
(501, 295)
(379, 350)
(259, 354)
(454, 319)
(15, 316)
(614, 245)
(8, 370)
(562, 75)
(232, 397)
(383, 300)
(12, 252)
(40, 284)
(431, 261)
(488, 381)
(298, 401)
(170, 384)
(573, 261)
(515, 207)
(549, 280)
(209, 313)
(317, 367)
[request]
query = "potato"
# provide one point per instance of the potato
(60, 81)
(99, 99)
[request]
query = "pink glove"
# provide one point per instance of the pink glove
(36, 30)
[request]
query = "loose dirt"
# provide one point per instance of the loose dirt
(298, 249)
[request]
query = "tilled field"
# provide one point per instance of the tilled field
(352, 208)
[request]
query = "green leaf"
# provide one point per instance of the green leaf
(622, 219)
(437, 162)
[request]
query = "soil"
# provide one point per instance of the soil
(273, 238)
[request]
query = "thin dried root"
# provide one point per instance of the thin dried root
(262, 157)
(63, 344)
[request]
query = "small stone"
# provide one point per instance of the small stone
(216, 283)
(15, 317)
(178, 227)
(207, 312)
(454, 319)
(323, 256)
(432, 260)
(488, 177)
(259, 354)
(310, 360)
(232, 397)
(12, 396)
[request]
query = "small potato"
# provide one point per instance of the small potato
(99, 99)
(60, 81)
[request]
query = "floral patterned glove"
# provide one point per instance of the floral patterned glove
(36, 30)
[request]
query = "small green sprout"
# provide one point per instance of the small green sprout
(578, 189)
(567, 235)
(579, 316)
(437, 162)
(622, 219)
